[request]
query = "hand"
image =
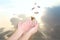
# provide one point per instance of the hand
(30, 32)
(27, 25)
(26, 29)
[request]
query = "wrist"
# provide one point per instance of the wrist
(20, 31)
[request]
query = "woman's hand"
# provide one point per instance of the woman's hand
(28, 34)
(31, 29)
(25, 30)
(27, 25)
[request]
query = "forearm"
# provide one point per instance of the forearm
(16, 35)
(26, 36)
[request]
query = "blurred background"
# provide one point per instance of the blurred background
(14, 11)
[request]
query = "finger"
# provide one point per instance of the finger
(27, 25)
(28, 22)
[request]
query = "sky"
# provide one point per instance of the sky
(9, 8)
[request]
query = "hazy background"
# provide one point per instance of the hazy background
(13, 11)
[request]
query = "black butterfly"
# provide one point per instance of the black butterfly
(38, 6)
(33, 8)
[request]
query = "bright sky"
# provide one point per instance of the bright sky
(10, 7)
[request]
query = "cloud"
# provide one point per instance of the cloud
(51, 20)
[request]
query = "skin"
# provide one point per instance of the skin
(25, 30)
